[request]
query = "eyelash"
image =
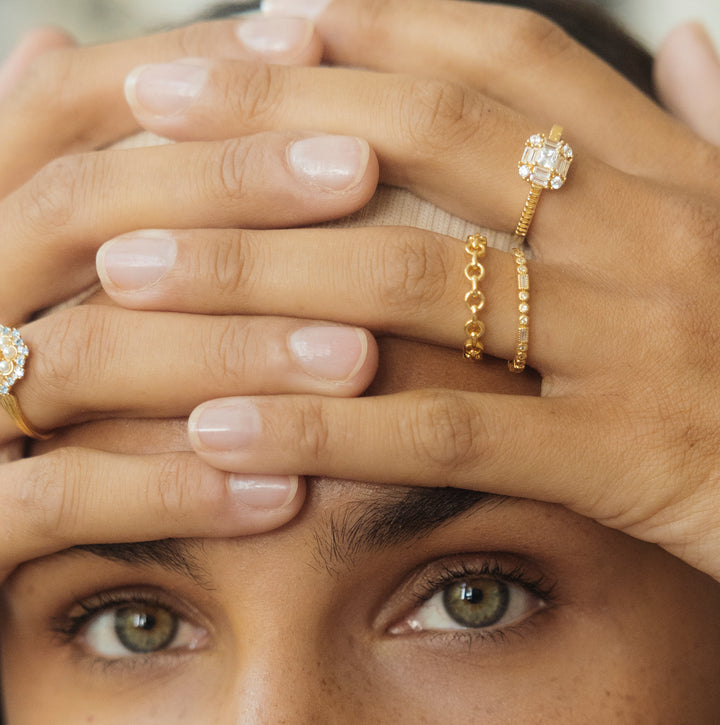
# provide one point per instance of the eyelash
(435, 580)
(68, 626)
(449, 573)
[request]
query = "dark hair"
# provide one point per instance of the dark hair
(588, 24)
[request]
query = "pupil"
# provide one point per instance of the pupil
(143, 628)
(477, 602)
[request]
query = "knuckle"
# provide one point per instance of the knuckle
(171, 485)
(438, 115)
(313, 432)
(193, 39)
(56, 193)
(445, 429)
(233, 349)
(256, 94)
(233, 165)
(52, 497)
(80, 341)
(231, 266)
(409, 273)
(534, 38)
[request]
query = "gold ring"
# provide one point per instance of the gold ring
(544, 165)
(13, 355)
(475, 246)
(517, 364)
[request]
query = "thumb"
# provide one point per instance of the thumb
(687, 79)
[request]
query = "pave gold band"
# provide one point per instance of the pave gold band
(475, 246)
(517, 364)
(544, 165)
(13, 354)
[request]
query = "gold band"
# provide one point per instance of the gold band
(544, 165)
(13, 355)
(517, 364)
(475, 246)
(11, 406)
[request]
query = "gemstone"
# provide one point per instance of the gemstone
(9, 352)
(524, 308)
(523, 320)
(523, 282)
(6, 367)
(556, 182)
(536, 139)
(524, 296)
(524, 171)
(6, 341)
(523, 334)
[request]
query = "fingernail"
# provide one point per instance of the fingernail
(298, 8)
(335, 163)
(134, 262)
(263, 492)
(331, 353)
(225, 425)
(275, 36)
(166, 89)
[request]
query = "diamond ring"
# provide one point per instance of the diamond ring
(544, 165)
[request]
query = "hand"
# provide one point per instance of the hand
(624, 323)
(61, 198)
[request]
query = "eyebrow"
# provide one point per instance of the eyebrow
(395, 517)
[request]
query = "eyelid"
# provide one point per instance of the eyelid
(72, 623)
(427, 581)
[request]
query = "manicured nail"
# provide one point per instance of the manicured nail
(225, 425)
(335, 163)
(166, 89)
(275, 36)
(297, 8)
(331, 353)
(132, 263)
(263, 492)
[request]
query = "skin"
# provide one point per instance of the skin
(297, 630)
(626, 429)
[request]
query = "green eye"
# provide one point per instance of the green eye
(143, 628)
(477, 602)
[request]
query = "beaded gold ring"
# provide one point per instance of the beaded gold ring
(544, 164)
(517, 364)
(13, 356)
(475, 246)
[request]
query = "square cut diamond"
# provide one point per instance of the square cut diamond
(545, 163)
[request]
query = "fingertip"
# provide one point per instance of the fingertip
(261, 503)
(282, 40)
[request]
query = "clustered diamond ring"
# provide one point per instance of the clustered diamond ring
(544, 165)
(13, 356)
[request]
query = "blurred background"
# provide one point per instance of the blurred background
(97, 20)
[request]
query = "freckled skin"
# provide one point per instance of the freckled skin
(632, 636)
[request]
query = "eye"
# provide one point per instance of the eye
(474, 602)
(138, 628)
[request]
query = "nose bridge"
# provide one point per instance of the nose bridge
(285, 687)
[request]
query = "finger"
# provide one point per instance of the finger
(31, 46)
(429, 137)
(90, 360)
(72, 100)
(520, 57)
(422, 438)
(72, 496)
(378, 278)
(687, 75)
(55, 223)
